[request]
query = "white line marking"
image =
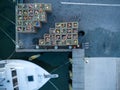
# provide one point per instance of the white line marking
(91, 4)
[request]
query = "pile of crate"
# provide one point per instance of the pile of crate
(30, 16)
(65, 33)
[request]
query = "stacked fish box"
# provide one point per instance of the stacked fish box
(52, 36)
(47, 39)
(65, 33)
(68, 32)
(30, 16)
(47, 7)
(41, 42)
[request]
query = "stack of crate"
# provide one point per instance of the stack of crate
(30, 16)
(65, 33)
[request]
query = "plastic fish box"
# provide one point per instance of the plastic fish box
(57, 37)
(25, 12)
(63, 31)
(47, 7)
(69, 30)
(47, 39)
(52, 36)
(41, 42)
(37, 24)
(46, 36)
(68, 42)
(61, 25)
(53, 41)
(58, 42)
(64, 36)
(63, 42)
(75, 30)
(19, 23)
(57, 25)
(75, 36)
(75, 42)
(57, 30)
(47, 42)
(74, 24)
(43, 17)
(64, 25)
(52, 30)
(69, 24)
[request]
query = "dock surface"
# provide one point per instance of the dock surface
(78, 69)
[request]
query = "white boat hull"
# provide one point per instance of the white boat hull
(21, 75)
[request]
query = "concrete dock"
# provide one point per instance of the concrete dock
(78, 69)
